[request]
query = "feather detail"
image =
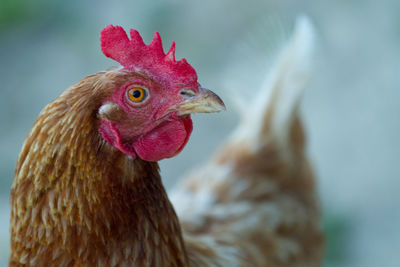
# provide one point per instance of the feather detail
(76, 200)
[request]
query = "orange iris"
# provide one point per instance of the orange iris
(137, 94)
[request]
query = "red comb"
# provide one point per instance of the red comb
(133, 52)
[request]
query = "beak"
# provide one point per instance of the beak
(205, 101)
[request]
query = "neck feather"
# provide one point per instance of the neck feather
(77, 200)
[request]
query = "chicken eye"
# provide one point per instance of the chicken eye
(137, 94)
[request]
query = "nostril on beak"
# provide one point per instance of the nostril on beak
(203, 101)
(187, 93)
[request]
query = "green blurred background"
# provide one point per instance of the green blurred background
(351, 109)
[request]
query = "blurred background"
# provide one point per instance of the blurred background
(351, 109)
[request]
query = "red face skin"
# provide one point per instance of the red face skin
(149, 129)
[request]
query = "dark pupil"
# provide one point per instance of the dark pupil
(136, 94)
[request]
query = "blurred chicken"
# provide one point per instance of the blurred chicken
(87, 189)
(254, 203)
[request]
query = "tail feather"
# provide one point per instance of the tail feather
(254, 202)
(274, 110)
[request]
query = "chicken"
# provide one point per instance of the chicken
(254, 203)
(87, 189)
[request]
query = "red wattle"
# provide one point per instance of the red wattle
(189, 128)
(165, 141)
(111, 134)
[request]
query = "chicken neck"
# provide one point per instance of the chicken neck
(77, 201)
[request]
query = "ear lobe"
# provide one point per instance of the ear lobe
(111, 112)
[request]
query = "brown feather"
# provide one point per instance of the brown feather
(77, 201)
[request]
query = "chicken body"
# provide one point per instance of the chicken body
(78, 199)
(254, 202)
